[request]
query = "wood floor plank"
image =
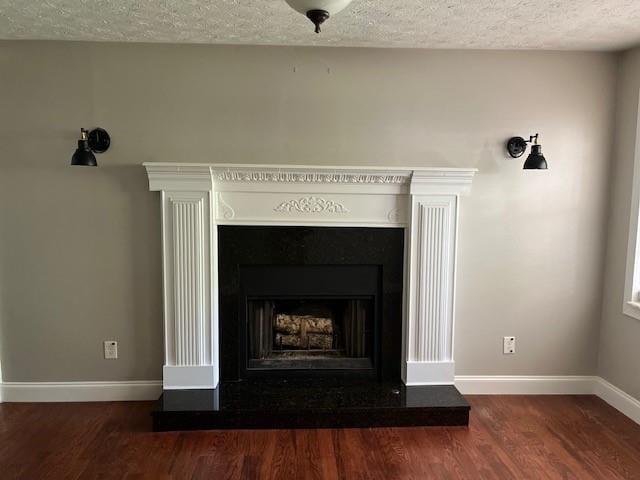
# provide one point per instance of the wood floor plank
(554, 437)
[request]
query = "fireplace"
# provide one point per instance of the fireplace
(310, 301)
(308, 296)
(409, 329)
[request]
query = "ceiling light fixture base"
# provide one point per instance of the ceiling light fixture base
(318, 17)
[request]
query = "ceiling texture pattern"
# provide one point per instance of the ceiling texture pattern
(479, 24)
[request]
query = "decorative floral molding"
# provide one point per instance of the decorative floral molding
(311, 204)
(308, 177)
(227, 211)
(395, 215)
(182, 177)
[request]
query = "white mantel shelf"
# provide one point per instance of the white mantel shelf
(196, 198)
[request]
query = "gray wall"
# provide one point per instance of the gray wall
(80, 248)
(619, 361)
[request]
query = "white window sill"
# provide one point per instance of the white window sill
(632, 309)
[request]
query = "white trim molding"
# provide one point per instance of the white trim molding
(196, 198)
(525, 385)
(81, 391)
(618, 399)
(185, 377)
(430, 300)
(429, 373)
(550, 385)
(467, 384)
(631, 301)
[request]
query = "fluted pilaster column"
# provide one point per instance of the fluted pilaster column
(431, 286)
(188, 240)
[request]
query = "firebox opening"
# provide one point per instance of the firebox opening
(311, 333)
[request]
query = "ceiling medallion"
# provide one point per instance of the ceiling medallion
(318, 10)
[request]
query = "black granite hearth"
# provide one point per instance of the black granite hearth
(309, 403)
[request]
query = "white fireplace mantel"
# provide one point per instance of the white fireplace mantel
(196, 198)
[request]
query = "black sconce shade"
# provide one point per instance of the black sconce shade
(83, 155)
(535, 160)
(516, 146)
(97, 140)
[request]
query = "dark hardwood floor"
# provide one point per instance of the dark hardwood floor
(509, 437)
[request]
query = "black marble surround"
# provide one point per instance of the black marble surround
(244, 247)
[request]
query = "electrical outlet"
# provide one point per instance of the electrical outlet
(509, 345)
(110, 350)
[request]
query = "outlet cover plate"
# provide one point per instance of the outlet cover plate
(509, 345)
(110, 350)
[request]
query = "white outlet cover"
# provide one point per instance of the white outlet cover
(110, 350)
(509, 345)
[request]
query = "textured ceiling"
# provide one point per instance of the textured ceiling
(492, 24)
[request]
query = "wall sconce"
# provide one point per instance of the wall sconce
(516, 146)
(95, 141)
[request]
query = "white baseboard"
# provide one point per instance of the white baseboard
(524, 385)
(550, 385)
(467, 384)
(618, 399)
(80, 391)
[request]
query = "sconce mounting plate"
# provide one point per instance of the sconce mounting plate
(99, 140)
(516, 146)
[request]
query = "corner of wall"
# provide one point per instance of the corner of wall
(1, 396)
(607, 224)
(1, 387)
(617, 338)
